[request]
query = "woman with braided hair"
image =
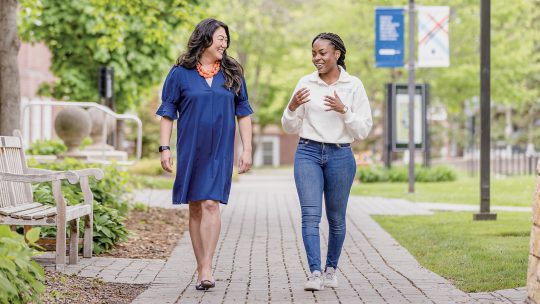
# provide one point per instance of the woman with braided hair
(329, 109)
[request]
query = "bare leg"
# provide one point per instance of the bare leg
(209, 233)
(195, 215)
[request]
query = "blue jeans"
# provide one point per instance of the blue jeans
(327, 169)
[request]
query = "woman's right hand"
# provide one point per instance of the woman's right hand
(299, 98)
(166, 161)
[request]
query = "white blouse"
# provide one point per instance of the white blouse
(312, 121)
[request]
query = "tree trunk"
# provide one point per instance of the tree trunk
(10, 94)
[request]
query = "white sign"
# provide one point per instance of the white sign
(433, 46)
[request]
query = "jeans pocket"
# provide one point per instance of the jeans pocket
(344, 147)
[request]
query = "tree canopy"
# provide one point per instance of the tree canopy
(133, 37)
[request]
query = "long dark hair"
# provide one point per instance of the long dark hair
(338, 44)
(201, 39)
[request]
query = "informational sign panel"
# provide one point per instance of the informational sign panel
(399, 107)
(433, 46)
(389, 40)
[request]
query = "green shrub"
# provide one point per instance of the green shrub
(21, 278)
(147, 166)
(149, 182)
(398, 174)
(372, 175)
(435, 174)
(47, 147)
(111, 196)
(401, 174)
(109, 228)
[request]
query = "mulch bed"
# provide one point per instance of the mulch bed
(70, 289)
(154, 234)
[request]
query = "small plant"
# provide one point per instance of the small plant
(109, 228)
(139, 206)
(47, 147)
(21, 278)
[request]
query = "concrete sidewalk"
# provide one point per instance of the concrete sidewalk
(260, 256)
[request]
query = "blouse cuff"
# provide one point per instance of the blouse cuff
(289, 115)
(167, 110)
(243, 109)
(349, 116)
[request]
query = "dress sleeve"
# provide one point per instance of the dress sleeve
(358, 119)
(170, 95)
(292, 121)
(241, 103)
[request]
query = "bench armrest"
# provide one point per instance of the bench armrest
(72, 177)
(95, 172)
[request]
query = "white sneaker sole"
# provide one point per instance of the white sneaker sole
(314, 288)
(331, 284)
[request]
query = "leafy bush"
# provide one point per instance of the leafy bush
(435, 174)
(111, 196)
(398, 174)
(147, 166)
(47, 147)
(149, 182)
(401, 174)
(109, 228)
(21, 278)
(372, 175)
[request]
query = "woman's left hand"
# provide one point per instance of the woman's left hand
(244, 163)
(334, 103)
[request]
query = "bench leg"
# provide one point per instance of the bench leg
(60, 245)
(88, 236)
(74, 241)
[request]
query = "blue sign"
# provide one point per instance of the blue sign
(389, 40)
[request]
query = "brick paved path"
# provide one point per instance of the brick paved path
(260, 257)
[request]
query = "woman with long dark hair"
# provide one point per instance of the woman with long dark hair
(205, 91)
(329, 109)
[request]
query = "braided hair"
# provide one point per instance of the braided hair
(338, 44)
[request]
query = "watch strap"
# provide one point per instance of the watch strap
(163, 148)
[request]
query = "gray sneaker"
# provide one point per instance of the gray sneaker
(330, 277)
(314, 282)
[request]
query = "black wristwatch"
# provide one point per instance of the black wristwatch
(163, 148)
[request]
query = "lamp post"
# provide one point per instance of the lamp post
(485, 104)
(412, 89)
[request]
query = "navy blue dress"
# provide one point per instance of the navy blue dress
(206, 128)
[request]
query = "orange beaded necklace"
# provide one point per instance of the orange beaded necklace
(211, 73)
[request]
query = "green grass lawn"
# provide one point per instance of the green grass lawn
(512, 191)
(474, 255)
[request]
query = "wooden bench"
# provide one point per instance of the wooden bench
(17, 206)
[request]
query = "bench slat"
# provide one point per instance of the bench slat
(24, 214)
(41, 214)
(12, 209)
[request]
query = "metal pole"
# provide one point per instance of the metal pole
(412, 44)
(485, 105)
